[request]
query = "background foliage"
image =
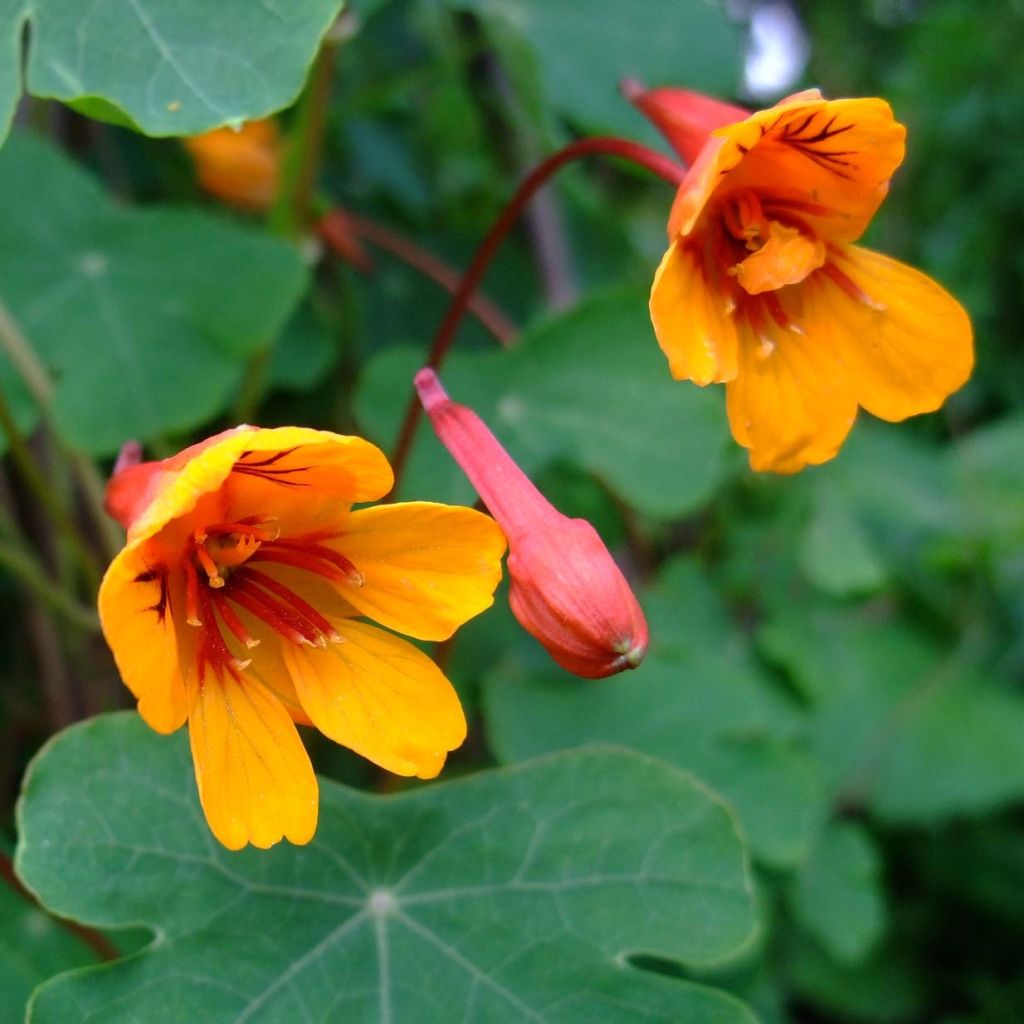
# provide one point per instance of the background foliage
(804, 806)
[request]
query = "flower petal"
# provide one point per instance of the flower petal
(907, 342)
(428, 568)
(255, 781)
(790, 403)
(381, 697)
(692, 320)
(829, 159)
(312, 471)
(138, 623)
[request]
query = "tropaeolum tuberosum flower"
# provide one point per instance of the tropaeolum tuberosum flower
(238, 602)
(761, 288)
(242, 165)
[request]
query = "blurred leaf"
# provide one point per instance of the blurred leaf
(989, 475)
(588, 386)
(836, 553)
(145, 317)
(511, 895)
(33, 947)
(698, 701)
(901, 725)
(584, 48)
(838, 894)
(883, 988)
(168, 67)
(303, 353)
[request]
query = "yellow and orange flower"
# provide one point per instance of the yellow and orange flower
(241, 166)
(237, 605)
(761, 288)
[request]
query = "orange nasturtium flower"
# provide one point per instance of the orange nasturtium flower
(761, 288)
(241, 166)
(237, 605)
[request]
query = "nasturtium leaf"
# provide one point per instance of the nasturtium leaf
(698, 701)
(589, 386)
(166, 67)
(911, 730)
(836, 552)
(516, 894)
(33, 947)
(989, 476)
(837, 892)
(145, 317)
(583, 48)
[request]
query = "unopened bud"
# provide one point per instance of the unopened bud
(566, 590)
(685, 118)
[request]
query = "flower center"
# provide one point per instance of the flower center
(780, 254)
(221, 577)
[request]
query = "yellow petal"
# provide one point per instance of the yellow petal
(313, 472)
(255, 781)
(907, 342)
(834, 156)
(381, 697)
(691, 319)
(428, 568)
(136, 615)
(790, 403)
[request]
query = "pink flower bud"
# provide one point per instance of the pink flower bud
(685, 118)
(566, 590)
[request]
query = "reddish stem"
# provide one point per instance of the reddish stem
(662, 166)
(426, 263)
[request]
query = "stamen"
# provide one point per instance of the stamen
(280, 618)
(303, 559)
(232, 621)
(209, 566)
(355, 577)
(244, 529)
(212, 649)
(778, 314)
(192, 594)
(301, 606)
(850, 287)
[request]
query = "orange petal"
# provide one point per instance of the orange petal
(790, 403)
(136, 615)
(312, 473)
(692, 320)
(428, 568)
(831, 160)
(786, 258)
(255, 781)
(381, 697)
(907, 343)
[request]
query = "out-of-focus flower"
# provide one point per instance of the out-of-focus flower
(241, 166)
(761, 288)
(565, 588)
(236, 605)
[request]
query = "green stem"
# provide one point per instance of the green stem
(252, 386)
(45, 496)
(293, 206)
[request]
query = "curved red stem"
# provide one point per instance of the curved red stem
(664, 167)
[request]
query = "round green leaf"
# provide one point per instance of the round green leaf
(838, 895)
(166, 67)
(583, 48)
(513, 895)
(145, 317)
